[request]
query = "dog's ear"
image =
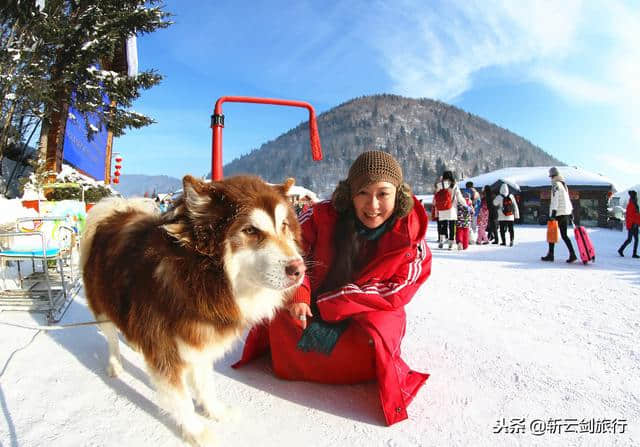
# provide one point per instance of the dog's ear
(288, 183)
(196, 195)
(285, 186)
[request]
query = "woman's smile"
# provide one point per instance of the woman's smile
(375, 203)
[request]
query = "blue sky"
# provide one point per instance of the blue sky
(564, 75)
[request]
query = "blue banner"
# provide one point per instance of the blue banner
(89, 157)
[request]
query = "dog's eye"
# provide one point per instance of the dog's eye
(285, 225)
(250, 230)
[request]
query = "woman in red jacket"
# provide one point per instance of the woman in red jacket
(367, 256)
(633, 221)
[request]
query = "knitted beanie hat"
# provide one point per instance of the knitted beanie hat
(371, 167)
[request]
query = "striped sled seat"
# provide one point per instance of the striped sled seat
(44, 286)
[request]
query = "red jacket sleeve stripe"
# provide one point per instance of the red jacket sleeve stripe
(384, 289)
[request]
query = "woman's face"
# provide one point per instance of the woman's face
(374, 203)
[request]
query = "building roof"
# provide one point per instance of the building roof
(538, 176)
(302, 191)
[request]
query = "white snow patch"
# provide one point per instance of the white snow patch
(88, 44)
(12, 209)
(503, 335)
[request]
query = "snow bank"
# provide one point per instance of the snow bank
(12, 209)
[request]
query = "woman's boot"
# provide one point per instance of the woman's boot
(549, 255)
(572, 253)
(622, 247)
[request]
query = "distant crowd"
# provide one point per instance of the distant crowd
(466, 216)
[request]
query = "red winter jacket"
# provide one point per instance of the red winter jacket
(632, 217)
(374, 303)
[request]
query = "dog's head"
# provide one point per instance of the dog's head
(244, 223)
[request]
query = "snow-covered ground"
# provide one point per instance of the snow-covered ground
(508, 341)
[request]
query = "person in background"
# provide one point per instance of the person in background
(507, 213)
(632, 221)
(448, 214)
(161, 203)
(474, 196)
(492, 222)
(560, 209)
(465, 212)
(367, 255)
(434, 214)
(483, 219)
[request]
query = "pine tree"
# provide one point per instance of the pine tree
(73, 47)
(440, 166)
(426, 171)
(21, 81)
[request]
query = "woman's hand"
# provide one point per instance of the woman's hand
(299, 312)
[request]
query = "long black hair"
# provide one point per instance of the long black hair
(633, 198)
(488, 195)
(448, 175)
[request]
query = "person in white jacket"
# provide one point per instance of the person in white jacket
(508, 212)
(447, 217)
(560, 209)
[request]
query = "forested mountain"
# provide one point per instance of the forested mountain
(134, 185)
(426, 136)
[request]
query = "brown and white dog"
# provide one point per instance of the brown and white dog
(183, 285)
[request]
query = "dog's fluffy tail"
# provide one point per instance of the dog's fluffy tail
(104, 209)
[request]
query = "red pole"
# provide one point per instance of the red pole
(217, 123)
(216, 154)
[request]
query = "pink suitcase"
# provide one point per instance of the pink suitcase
(585, 247)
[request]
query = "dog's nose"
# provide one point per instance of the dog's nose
(295, 269)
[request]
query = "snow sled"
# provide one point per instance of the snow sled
(585, 246)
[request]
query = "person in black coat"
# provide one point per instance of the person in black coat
(492, 225)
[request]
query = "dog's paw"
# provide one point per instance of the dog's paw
(205, 438)
(219, 411)
(114, 368)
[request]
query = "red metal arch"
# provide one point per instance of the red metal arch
(217, 123)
